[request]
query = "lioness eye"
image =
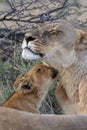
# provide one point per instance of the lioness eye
(30, 38)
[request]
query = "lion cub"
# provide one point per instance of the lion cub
(30, 88)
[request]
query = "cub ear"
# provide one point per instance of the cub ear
(23, 87)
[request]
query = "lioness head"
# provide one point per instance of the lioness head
(54, 43)
(39, 78)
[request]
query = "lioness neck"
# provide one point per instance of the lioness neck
(73, 75)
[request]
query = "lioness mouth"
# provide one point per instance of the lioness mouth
(31, 51)
(40, 54)
(30, 54)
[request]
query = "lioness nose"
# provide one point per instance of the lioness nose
(29, 38)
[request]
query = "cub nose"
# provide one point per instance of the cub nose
(29, 38)
(55, 73)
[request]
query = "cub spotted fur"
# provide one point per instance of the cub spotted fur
(31, 88)
(65, 48)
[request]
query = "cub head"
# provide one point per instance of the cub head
(54, 43)
(39, 78)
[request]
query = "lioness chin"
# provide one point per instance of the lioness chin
(63, 47)
(31, 87)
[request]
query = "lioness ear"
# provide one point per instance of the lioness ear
(24, 87)
(81, 40)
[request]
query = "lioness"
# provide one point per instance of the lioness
(31, 88)
(63, 47)
(11, 119)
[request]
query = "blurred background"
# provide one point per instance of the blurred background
(20, 16)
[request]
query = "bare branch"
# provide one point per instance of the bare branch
(34, 17)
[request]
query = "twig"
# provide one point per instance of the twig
(34, 17)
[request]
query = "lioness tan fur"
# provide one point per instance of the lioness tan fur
(63, 47)
(31, 88)
(11, 119)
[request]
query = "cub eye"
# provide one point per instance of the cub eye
(30, 38)
(40, 70)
